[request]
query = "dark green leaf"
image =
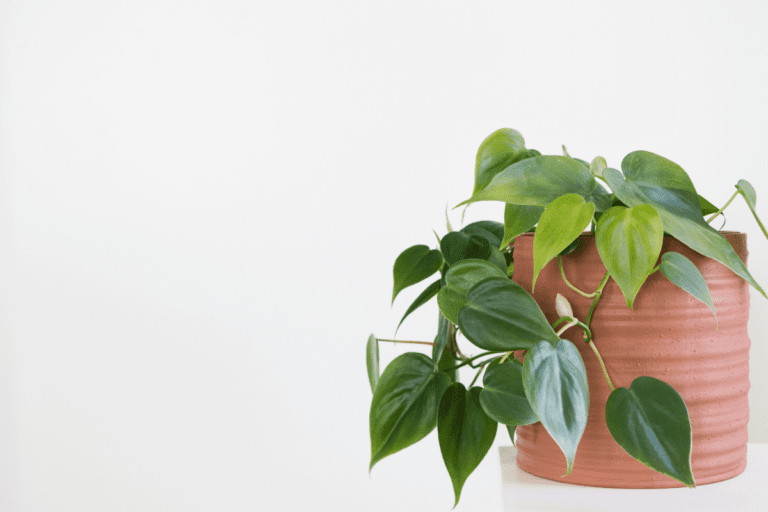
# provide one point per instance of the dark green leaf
(444, 331)
(650, 421)
(629, 242)
(683, 273)
(372, 360)
(498, 151)
(518, 219)
(555, 383)
(488, 229)
(503, 397)
(460, 278)
(500, 315)
(465, 433)
(600, 197)
(413, 265)
(654, 180)
(457, 246)
(537, 182)
(422, 299)
(560, 224)
(511, 429)
(707, 208)
(405, 403)
(448, 361)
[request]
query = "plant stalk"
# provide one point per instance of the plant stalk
(565, 279)
(598, 294)
(718, 212)
(602, 365)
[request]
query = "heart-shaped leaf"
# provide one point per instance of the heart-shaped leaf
(422, 299)
(518, 219)
(488, 229)
(555, 382)
(503, 397)
(748, 192)
(629, 242)
(460, 278)
(405, 403)
(498, 151)
(683, 273)
(650, 421)
(413, 265)
(465, 433)
(457, 246)
(372, 360)
(654, 180)
(500, 315)
(560, 224)
(537, 181)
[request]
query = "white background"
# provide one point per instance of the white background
(201, 202)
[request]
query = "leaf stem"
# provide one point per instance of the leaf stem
(469, 361)
(718, 212)
(598, 294)
(602, 365)
(412, 342)
(755, 215)
(565, 279)
(482, 366)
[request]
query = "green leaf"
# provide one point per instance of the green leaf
(511, 429)
(654, 180)
(488, 229)
(460, 278)
(503, 397)
(518, 219)
(498, 151)
(684, 274)
(650, 421)
(465, 433)
(413, 265)
(444, 329)
(748, 192)
(422, 299)
(537, 181)
(405, 403)
(707, 208)
(372, 361)
(629, 242)
(501, 316)
(597, 166)
(555, 382)
(560, 224)
(600, 197)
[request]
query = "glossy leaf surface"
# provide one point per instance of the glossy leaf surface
(650, 421)
(405, 403)
(457, 246)
(629, 242)
(555, 382)
(654, 180)
(429, 292)
(518, 219)
(503, 395)
(684, 274)
(465, 433)
(498, 151)
(460, 279)
(372, 360)
(413, 265)
(501, 315)
(490, 230)
(444, 331)
(537, 181)
(560, 224)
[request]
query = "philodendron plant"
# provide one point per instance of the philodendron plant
(558, 197)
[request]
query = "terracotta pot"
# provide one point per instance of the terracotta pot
(668, 335)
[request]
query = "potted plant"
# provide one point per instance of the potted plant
(624, 273)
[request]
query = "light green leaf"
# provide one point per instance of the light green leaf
(597, 166)
(503, 397)
(465, 433)
(518, 219)
(555, 382)
(748, 192)
(372, 361)
(560, 224)
(684, 274)
(654, 180)
(414, 265)
(460, 278)
(629, 242)
(650, 421)
(422, 299)
(498, 151)
(405, 404)
(537, 181)
(500, 315)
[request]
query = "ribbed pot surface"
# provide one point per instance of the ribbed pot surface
(668, 335)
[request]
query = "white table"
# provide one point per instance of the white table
(747, 492)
